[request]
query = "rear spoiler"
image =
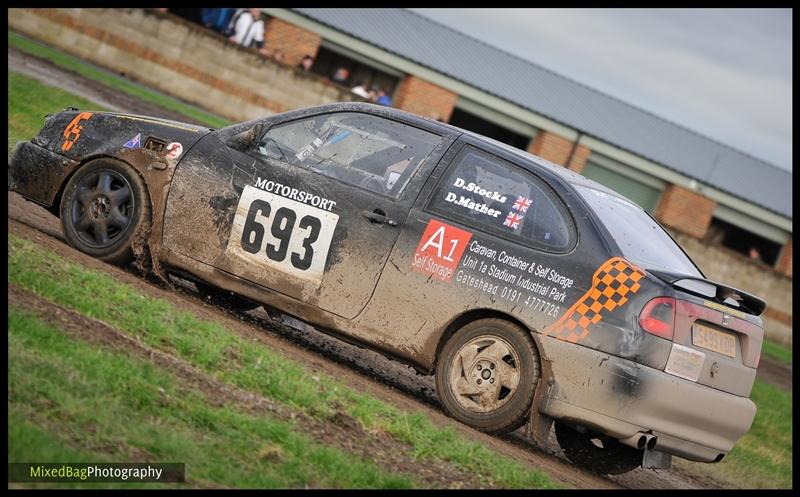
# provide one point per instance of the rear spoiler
(717, 292)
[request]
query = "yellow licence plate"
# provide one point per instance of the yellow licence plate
(711, 339)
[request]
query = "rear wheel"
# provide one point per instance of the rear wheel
(596, 452)
(487, 375)
(104, 205)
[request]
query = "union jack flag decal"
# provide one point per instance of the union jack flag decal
(522, 204)
(512, 220)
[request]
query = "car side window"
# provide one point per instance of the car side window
(499, 197)
(370, 152)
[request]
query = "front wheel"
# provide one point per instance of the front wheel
(487, 375)
(595, 452)
(104, 205)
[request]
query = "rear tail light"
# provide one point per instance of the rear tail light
(658, 317)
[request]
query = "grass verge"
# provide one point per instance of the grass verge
(764, 456)
(774, 350)
(235, 360)
(65, 392)
(112, 80)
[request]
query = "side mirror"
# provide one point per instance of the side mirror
(245, 140)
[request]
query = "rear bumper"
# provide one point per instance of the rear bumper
(620, 398)
(37, 173)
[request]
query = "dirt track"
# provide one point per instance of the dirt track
(356, 367)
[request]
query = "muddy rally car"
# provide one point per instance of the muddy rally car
(533, 294)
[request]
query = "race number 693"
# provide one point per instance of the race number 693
(287, 235)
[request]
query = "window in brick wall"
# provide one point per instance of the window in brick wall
(742, 241)
(646, 194)
(327, 62)
(466, 120)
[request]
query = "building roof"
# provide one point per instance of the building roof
(540, 90)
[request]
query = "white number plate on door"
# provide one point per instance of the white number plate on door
(287, 235)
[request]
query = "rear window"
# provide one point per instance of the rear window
(642, 240)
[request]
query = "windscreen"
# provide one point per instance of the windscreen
(640, 238)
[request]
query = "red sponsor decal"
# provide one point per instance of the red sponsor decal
(439, 250)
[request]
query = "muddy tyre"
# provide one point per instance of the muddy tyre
(597, 453)
(225, 298)
(103, 207)
(487, 374)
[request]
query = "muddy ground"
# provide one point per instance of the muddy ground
(361, 369)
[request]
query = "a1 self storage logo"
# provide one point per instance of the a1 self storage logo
(439, 250)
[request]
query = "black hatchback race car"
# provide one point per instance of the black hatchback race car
(532, 293)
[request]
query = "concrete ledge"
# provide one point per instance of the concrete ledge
(178, 58)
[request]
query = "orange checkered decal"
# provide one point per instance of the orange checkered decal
(611, 284)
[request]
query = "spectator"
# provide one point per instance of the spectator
(248, 30)
(373, 94)
(360, 90)
(306, 63)
(217, 19)
(383, 97)
(754, 254)
(230, 29)
(341, 76)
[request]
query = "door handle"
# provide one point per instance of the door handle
(378, 216)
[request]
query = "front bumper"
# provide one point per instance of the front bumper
(620, 398)
(37, 173)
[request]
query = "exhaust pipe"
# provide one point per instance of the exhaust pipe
(637, 441)
(640, 441)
